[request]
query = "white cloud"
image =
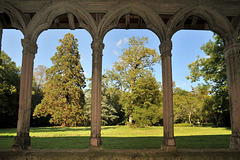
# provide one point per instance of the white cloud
(122, 41)
(115, 52)
(125, 40)
(119, 43)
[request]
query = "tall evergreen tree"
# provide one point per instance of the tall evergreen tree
(63, 92)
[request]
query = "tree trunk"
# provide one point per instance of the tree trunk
(130, 119)
(189, 118)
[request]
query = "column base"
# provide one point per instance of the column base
(95, 143)
(234, 143)
(22, 142)
(168, 144)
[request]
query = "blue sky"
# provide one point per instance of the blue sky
(186, 47)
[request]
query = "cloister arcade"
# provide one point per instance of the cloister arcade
(164, 18)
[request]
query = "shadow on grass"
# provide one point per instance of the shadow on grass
(64, 129)
(211, 141)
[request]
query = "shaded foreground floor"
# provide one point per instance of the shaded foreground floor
(125, 154)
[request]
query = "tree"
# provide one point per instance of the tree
(40, 75)
(63, 98)
(9, 91)
(147, 101)
(133, 64)
(213, 71)
(188, 106)
(108, 111)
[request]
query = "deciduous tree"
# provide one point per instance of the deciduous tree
(212, 69)
(133, 64)
(9, 91)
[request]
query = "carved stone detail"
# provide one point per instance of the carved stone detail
(22, 140)
(95, 139)
(232, 58)
(231, 50)
(29, 47)
(165, 49)
(97, 47)
(168, 141)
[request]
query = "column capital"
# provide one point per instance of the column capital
(231, 49)
(165, 48)
(97, 47)
(29, 47)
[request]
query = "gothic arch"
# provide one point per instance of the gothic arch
(152, 20)
(236, 25)
(17, 18)
(44, 18)
(217, 22)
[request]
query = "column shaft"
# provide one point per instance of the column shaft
(168, 142)
(232, 58)
(95, 140)
(22, 140)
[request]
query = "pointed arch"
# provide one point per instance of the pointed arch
(43, 19)
(18, 20)
(153, 20)
(217, 22)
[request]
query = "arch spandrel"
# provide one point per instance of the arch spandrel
(43, 19)
(216, 21)
(153, 20)
(18, 20)
(236, 24)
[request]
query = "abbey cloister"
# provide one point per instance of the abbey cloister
(98, 17)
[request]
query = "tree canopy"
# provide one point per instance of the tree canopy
(130, 74)
(212, 69)
(9, 91)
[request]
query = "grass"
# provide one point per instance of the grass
(119, 137)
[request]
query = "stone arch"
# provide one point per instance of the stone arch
(236, 25)
(153, 20)
(18, 20)
(44, 18)
(217, 22)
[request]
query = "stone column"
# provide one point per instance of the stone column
(22, 140)
(95, 139)
(232, 58)
(168, 141)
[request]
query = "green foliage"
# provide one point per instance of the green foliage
(63, 98)
(188, 106)
(9, 91)
(213, 71)
(131, 76)
(39, 78)
(109, 114)
(147, 104)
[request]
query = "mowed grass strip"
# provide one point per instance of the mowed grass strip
(119, 137)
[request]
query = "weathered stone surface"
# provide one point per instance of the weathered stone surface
(168, 141)
(95, 139)
(22, 140)
(232, 58)
(133, 154)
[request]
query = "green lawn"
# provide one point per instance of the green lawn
(119, 137)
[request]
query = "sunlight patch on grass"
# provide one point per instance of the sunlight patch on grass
(120, 137)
